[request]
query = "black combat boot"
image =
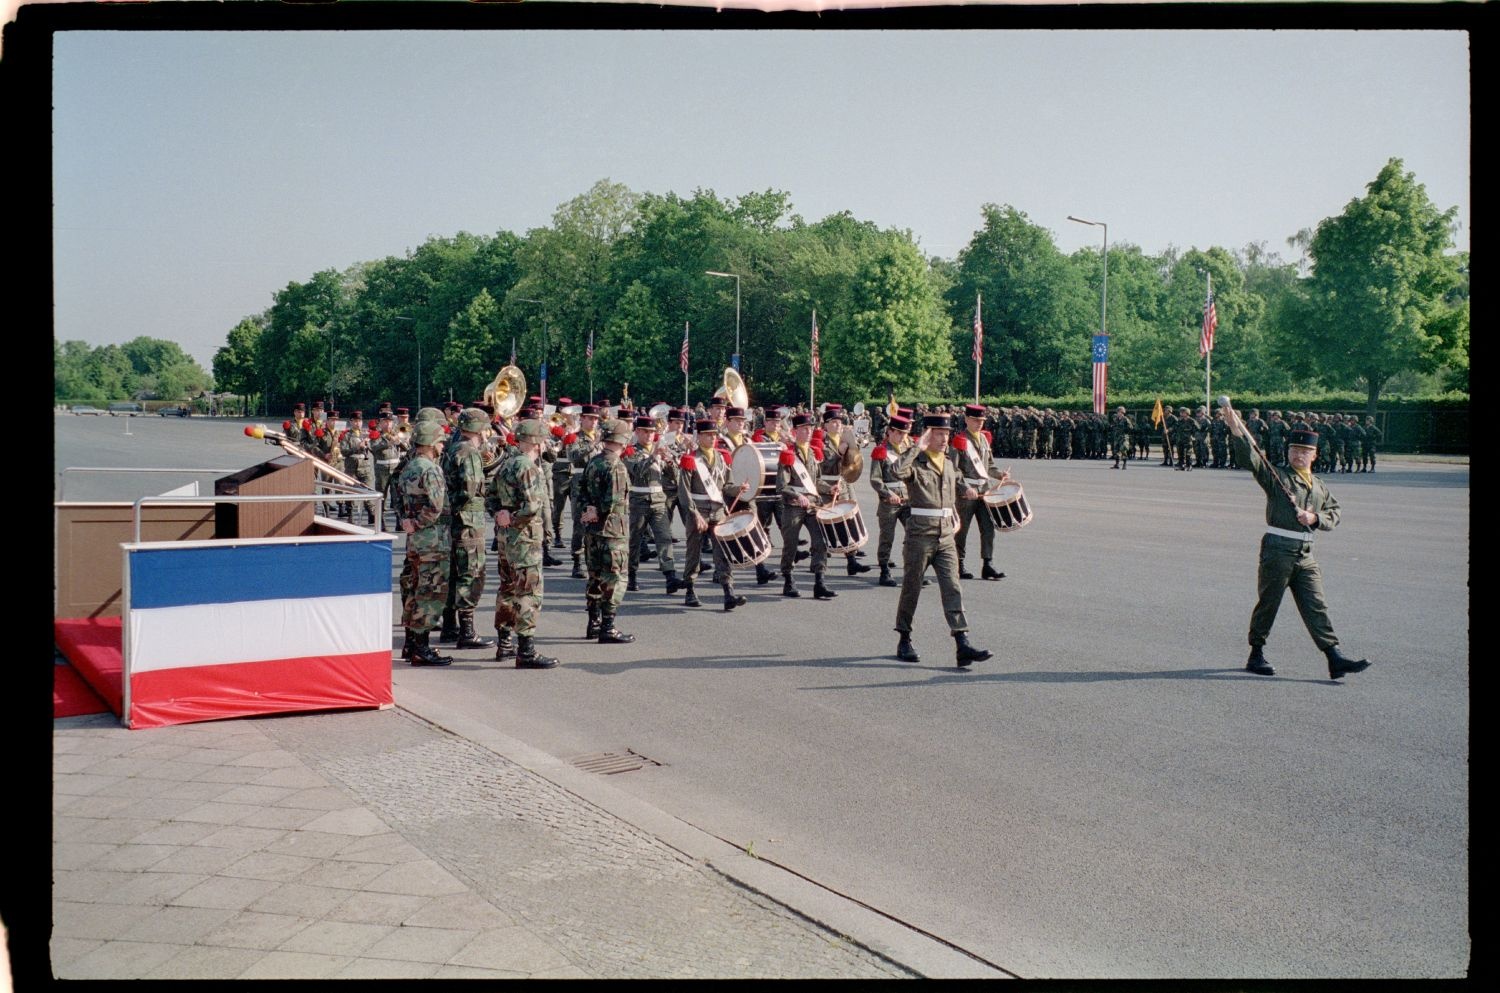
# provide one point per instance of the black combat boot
(592, 631)
(732, 599)
(904, 651)
(557, 541)
(466, 636)
(673, 583)
(1339, 666)
(631, 586)
(691, 600)
(988, 572)
(578, 568)
(821, 592)
(885, 575)
(505, 648)
(608, 633)
(648, 553)
(963, 570)
(788, 588)
(548, 558)
(1258, 663)
(422, 652)
(527, 657)
(855, 567)
(450, 626)
(762, 574)
(967, 653)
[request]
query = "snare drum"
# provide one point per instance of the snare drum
(755, 463)
(743, 539)
(1007, 507)
(843, 528)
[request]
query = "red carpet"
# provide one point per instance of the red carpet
(92, 647)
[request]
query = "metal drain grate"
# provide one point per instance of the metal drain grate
(611, 763)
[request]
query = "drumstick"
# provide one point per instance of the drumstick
(1224, 404)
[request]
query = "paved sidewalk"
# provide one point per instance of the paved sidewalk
(378, 844)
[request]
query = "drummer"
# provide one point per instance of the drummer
(734, 428)
(802, 491)
(935, 490)
(971, 454)
(769, 433)
(894, 506)
(703, 493)
(836, 442)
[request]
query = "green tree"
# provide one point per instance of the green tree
(472, 352)
(1379, 296)
(634, 349)
(237, 361)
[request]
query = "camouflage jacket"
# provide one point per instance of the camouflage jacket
(424, 499)
(464, 472)
(519, 487)
(606, 487)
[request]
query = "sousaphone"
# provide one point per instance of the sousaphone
(733, 391)
(507, 392)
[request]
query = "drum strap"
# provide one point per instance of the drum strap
(712, 491)
(800, 471)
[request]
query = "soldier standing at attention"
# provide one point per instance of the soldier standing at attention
(933, 484)
(648, 504)
(971, 457)
(424, 518)
(1297, 504)
(517, 500)
(1373, 436)
(355, 446)
(1182, 440)
(385, 449)
(604, 494)
(466, 489)
(582, 447)
(1120, 429)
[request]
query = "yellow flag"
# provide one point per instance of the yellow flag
(1156, 414)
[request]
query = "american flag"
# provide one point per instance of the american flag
(817, 366)
(588, 353)
(682, 357)
(1210, 321)
(1101, 370)
(978, 332)
(543, 377)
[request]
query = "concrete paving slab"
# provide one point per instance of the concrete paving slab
(255, 929)
(79, 854)
(133, 858)
(336, 938)
(512, 949)
(300, 900)
(350, 820)
(119, 960)
(422, 878)
(461, 910)
(340, 875)
(367, 968)
(203, 789)
(271, 758)
(177, 925)
(215, 812)
(85, 920)
(229, 774)
(175, 833)
(295, 777)
(296, 965)
(378, 908)
(225, 891)
(197, 859)
(420, 944)
(387, 849)
(63, 951)
(312, 844)
(199, 962)
(279, 817)
(246, 839)
(264, 865)
(317, 798)
(82, 783)
(258, 795)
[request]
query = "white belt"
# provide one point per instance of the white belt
(1284, 533)
(704, 498)
(977, 482)
(389, 462)
(798, 489)
(831, 479)
(931, 511)
(646, 489)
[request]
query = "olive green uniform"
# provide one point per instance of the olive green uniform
(930, 532)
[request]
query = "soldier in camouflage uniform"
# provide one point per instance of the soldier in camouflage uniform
(1182, 440)
(1373, 437)
(579, 448)
(648, 504)
(1218, 439)
(517, 501)
(465, 475)
(424, 574)
(604, 493)
(1120, 429)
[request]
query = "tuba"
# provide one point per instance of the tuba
(732, 389)
(507, 392)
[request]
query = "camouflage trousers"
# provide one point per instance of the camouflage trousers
(519, 601)
(424, 588)
(606, 559)
(969, 511)
(466, 570)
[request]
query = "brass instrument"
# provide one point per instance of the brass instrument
(851, 463)
(507, 392)
(732, 389)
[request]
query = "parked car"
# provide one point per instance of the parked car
(173, 412)
(126, 409)
(83, 408)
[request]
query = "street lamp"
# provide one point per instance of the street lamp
(546, 341)
(729, 275)
(418, 337)
(1104, 290)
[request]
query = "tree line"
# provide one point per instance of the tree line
(1372, 298)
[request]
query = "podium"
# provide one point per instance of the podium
(285, 475)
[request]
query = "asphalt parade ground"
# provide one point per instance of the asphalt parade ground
(770, 793)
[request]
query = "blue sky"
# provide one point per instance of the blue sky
(196, 173)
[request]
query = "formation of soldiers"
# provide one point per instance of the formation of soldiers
(449, 474)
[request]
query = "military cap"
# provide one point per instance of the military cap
(899, 423)
(589, 410)
(429, 414)
(531, 429)
(358, 415)
(473, 419)
(973, 410)
(937, 421)
(403, 411)
(833, 413)
(677, 414)
(427, 433)
(801, 420)
(618, 432)
(773, 413)
(733, 412)
(706, 425)
(646, 423)
(1302, 439)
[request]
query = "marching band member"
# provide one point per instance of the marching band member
(889, 491)
(579, 448)
(835, 457)
(933, 487)
(648, 502)
(801, 491)
(704, 496)
(971, 453)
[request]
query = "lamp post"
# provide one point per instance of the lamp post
(546, 336)
(1104, 290)
(735, 360)
(418, 338)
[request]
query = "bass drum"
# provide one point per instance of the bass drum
(755, 463)
(1008, 507)
(843, 527)
(743, 539)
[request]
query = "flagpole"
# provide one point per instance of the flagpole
(1208, 356)
(684, 366)
(812, 374)
(978, 355)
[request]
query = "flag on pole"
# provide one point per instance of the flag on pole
(816, 365)
(543, 377)
(682, 358)
(1210, 321)
(588, 353)
(978, 333)
(1157, 414)
(1101, 370)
